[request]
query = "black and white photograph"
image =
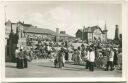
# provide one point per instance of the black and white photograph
(65, 82)
(62, 39)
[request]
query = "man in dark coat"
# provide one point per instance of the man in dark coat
(16, 57)
(115, 61)
(25, 60)
(66, 54)
(20, 58)
(110, 60)
(61, 58)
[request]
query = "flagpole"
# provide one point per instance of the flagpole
(5, 13)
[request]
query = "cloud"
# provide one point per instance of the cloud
(68, 18)
(61, 15)
(57, 18)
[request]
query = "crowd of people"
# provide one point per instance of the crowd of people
(101, 57)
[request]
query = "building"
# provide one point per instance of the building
(92, 34)
(21, 35)
(65, 37)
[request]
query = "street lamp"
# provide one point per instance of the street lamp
(83, 33)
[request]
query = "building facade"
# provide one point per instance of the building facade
(22, 35)
(65, 37)
(92, 34)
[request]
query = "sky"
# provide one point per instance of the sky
(66, 15)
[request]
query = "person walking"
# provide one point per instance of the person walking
(16, 57)
(25, 59)
(91, 59)
(120, 60)
(61, 58)
(115, 61)
(87, 58)
(79, 57)
(20, 58)
(48, 49)
(110, 60)
(66, 54)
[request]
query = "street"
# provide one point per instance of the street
(45, 68)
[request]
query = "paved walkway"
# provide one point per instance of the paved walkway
(45, 68)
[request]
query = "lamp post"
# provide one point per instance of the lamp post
(83, 33)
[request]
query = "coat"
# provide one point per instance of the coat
(61, 57)
(16, 53)
(20, 55)
(111, 57)
(92, 56)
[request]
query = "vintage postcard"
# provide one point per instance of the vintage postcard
(63, 39)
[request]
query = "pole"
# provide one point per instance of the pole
(5, 12)
(83, 34)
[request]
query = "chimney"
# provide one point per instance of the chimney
(57, 36)
(117, 32)
(57, 30)
(117, 26)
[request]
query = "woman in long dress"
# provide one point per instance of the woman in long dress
(76, 57)
(60, 59)
(120, 61)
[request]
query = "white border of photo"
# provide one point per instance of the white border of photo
(69, 79)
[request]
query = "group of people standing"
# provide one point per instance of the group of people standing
(87, 55)
(103, 58)
(21, 57)
(91, 55)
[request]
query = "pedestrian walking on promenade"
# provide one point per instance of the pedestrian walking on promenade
(87, 58)
(110, 60)
(20, 58)
(61, 59)
(115, 61)
(48, 50)
(16, 57)
(25, 60)
(100, 61)
(120, 61)
(79, 56)
(91, 59)
(104, 61)
(66, 54)
(76, 57)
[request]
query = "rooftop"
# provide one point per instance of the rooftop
(92, 29)
(33, 29)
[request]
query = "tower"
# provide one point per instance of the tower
(116, 33)
(105, 32)
(57, 36)
(116, 39)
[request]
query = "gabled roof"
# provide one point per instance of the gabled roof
(91, 29)
(26, 25)
(33, 29)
